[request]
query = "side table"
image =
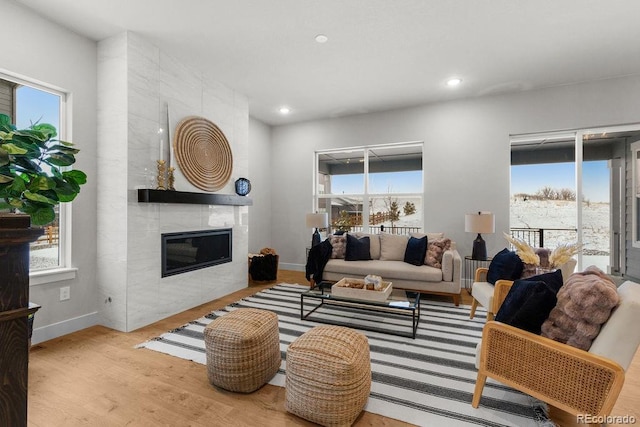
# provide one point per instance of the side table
(263, 267)
(470, 266)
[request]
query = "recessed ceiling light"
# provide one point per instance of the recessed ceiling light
(321, 38)
(284, 110)
(455, 81)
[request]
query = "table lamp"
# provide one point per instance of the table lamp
(317, 220)
(482, 222)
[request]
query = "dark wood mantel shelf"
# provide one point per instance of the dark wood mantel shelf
(166, 196)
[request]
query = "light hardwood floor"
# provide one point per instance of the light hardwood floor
(95, 377)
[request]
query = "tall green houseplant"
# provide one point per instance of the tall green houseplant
(35, 173)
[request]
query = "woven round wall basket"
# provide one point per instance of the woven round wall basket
(203, 153)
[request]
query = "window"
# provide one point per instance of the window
(372, 188)
(28, 103)
(570, 186)
(635, 159)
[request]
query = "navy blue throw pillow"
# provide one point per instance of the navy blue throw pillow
(357, 249)
(552, 279)
(527, 305)
(416, 250)
(505, 265)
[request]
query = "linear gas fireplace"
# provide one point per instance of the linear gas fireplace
(192, 250)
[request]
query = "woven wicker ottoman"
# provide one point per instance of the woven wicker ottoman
(243, 349)
(328, 375)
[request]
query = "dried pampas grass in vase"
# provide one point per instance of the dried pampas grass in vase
(526, 253)
(563, 253)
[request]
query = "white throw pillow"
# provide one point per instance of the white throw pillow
(393, 247)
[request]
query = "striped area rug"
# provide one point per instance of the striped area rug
(427, 381)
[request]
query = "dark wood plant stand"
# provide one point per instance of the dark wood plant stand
(15, 235)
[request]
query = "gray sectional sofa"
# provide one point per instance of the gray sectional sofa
(387, 253)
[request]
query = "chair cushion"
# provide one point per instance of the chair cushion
(483, 293)
(615, 340)
(388, 270)
(357, 249)
(416, 250)
(505, 265)
(527, 305)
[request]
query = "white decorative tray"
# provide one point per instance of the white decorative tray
(341, 290)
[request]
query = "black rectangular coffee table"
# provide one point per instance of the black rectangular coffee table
(400, 302)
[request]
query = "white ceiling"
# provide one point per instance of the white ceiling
(381, 54)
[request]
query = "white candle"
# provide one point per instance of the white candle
(169, 140)
(161, 144)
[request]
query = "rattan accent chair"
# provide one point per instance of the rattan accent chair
(328, 375)
(570, 379)
(243, 349)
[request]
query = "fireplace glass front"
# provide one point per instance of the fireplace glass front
(192, 250)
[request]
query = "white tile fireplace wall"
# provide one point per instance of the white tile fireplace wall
(136, 84)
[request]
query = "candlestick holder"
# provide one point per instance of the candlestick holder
(171, 179)
(161, 171)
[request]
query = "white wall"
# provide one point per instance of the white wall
(54, 56)
(137, 82)
(260, 175)
(34, 48)
(467, 153)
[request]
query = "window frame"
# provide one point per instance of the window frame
(63, 271)
(366, 195)
(635, 195)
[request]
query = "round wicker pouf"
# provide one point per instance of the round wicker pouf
(243, 349)
(328, 375)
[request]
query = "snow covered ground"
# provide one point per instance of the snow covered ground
(561, 214)
(551, 215)
(556, 217)
(43, 258)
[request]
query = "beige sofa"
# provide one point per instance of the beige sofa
(387, 254)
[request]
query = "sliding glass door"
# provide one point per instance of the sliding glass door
(569, 187)
(543, 189)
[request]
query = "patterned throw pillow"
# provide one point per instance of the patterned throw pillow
(339, 244)
(436, 248)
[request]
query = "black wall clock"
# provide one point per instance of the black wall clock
(243, 186)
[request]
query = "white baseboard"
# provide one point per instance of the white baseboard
(59, 329)
(293, 267)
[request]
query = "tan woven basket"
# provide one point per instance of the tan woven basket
(243, 349)
(328, 375)
(203, 153)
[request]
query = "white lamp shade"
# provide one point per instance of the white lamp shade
(481, 222)
(317, 220)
